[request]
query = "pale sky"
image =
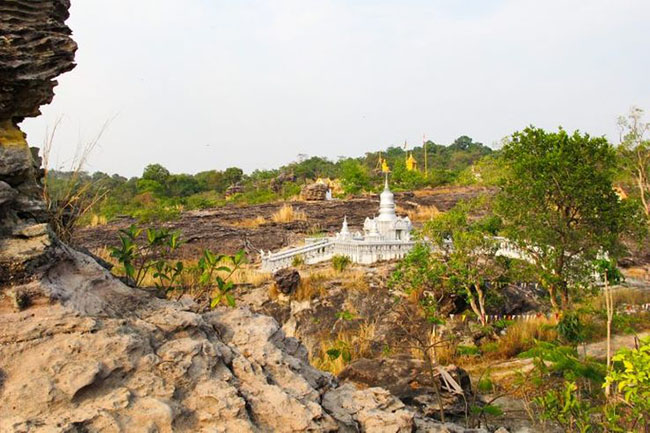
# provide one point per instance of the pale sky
(208, 84)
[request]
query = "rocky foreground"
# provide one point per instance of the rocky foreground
(90, 354)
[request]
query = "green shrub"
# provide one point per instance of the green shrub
(467, 350)
(340, 263)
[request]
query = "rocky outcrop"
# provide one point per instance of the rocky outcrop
(35, 47)
(314, 192)
(91, 354)
(411, 381)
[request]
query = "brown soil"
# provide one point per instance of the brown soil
(216, 228)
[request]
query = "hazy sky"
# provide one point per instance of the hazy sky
(207, 84)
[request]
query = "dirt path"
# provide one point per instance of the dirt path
(597, 350)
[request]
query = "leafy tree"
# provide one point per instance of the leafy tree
(559, 206)
(466, 251)
(232, 175)
(156, 172)
(635, 152)
(354, 176)
(182, 185)
(211, 180)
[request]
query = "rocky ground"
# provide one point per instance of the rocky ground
(218, 230)
(92, 355)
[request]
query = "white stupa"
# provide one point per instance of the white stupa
(385, 237)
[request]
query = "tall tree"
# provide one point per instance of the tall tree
(635, 152)
(558, 204)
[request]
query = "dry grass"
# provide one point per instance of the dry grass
(423, 213)
(356, 342)
(287, 214)
(356, 280)
(521, 336)
(250, 223)
(625, 296)
(310, 287)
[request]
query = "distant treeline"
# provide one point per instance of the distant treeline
(160, 195)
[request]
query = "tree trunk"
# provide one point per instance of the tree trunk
(552, 295)
(609, 303)
(475, 308)
(642, 183)
(564, 295)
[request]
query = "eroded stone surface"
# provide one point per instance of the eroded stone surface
(93, 354)
(35, 47)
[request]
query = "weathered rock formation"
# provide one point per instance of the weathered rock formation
(94, 355)
(35, 47)
(314, 192)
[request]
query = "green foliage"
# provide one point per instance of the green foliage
(631, 378)
(570, 329)
(575, 405)
(340, 263)
(159, 195)
(155, 173)
(297, 261)
(355, 177)
(419, 270)
(342, 350)
(465, 254)
(551, 358)
(634, 156)
(345, 315)
(209, 270)
(485, 385)
(566, 408)
(467, 350)
(558, 204)
(138, 254)
(488, 409)
(143, 252)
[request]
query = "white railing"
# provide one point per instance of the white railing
(312, 253)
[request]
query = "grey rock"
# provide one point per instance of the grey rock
(287, 280)
(7, 193)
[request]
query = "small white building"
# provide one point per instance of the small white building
(384, 237)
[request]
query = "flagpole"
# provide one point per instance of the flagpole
(426, 166)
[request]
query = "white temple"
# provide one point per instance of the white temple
(385, 237)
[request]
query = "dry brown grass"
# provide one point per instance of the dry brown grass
(521, 336)
(287, 214)
(310, 287)
(250, 223)
(315, 284)
(423, 213)
(625, 295)
(356, 342)
(355, 280)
